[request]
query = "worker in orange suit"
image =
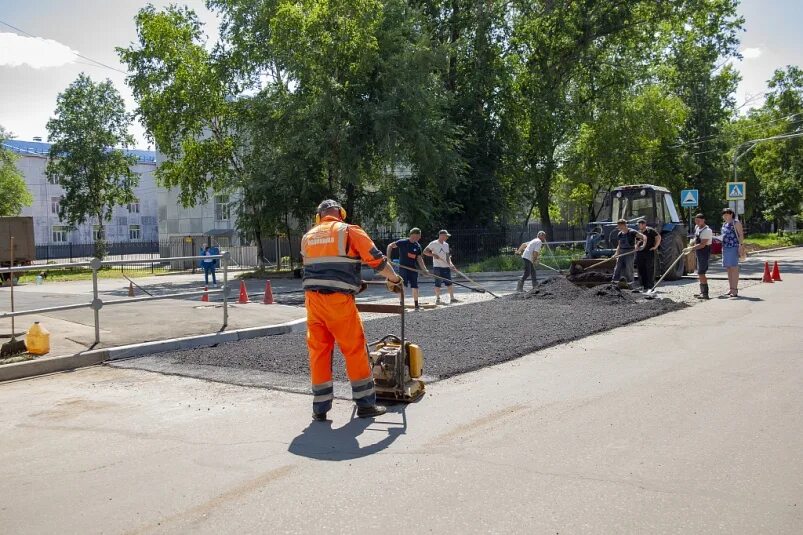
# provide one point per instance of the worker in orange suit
(333, 253)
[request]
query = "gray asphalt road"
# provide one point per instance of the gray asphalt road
(684, 423)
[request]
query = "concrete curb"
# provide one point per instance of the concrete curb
(32, 368)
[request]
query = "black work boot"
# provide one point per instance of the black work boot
(371, 411)
(702, 292)
(705, 291)
(319, 416)
(520, 286)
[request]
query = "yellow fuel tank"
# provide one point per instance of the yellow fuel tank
(415, 360)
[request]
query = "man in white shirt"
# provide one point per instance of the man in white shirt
(441, 265)
(530, 252)
(703, 236)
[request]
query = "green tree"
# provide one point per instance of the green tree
(14, 194)
(298, 100)
(570, 57)
(696, 68)
(632, 139)
(778, 164)
(89, 129)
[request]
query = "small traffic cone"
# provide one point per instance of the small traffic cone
(776, 273)
(205, 296)
(268, 299)
(767, 275)
(130, 289)
(244, 294)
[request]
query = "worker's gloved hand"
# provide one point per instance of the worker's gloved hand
(394, 286)
(363, 287)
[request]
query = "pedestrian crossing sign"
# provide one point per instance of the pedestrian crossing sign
(735, 191)
(689, 198)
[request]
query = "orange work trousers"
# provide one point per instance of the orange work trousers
(334, 318)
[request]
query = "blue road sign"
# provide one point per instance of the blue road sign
(735, 191)
(689, 198)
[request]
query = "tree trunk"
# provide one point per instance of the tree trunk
(351, 193)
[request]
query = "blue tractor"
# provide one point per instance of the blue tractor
(653, 203)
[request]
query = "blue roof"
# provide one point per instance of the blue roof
(38, 148)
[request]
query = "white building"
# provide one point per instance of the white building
(136, 222)
(214, 221)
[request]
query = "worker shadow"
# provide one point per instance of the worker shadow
(320, 440)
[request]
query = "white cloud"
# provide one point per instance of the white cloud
(17, 50)
(751, 53)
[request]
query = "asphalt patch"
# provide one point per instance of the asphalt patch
(455, 339)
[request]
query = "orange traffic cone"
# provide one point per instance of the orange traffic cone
(767, 275)
(244, 294)
(205, 296)
(776, 273)
(130, 289)
(268, 299)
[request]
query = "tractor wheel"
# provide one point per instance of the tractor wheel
(672, 244)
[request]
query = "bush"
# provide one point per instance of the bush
(774, 240)
(513, 262)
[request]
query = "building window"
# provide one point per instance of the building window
(55, 204)
(222, 208)
(97, 233)
(134, 232)
(59, 234)
(54, 180)
(133, 208)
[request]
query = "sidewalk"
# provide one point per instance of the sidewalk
(73, 331)
(689, 422)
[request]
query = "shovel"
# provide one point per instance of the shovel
(651, 293)
(13, 346)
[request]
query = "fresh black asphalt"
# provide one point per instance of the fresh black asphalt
(455, 339)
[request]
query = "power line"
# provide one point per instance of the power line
(704, 139)
(74, 52)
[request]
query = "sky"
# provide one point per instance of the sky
(34, 70)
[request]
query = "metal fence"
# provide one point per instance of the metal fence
(469, 245)
(97, 303)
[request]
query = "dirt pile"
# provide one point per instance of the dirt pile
(591, 277)
(559, 288)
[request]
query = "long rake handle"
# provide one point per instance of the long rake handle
(478, 290)
(476, 283)
(671, 267)
(634, 251)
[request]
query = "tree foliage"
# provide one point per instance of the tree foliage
(774, 168)
(441, 112)
(89, 129)
(14, 194)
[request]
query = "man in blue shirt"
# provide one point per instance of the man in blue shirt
(409, 256)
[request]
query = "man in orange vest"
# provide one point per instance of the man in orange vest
(333, 253)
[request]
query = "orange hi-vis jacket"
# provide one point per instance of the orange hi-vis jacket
(333, 252)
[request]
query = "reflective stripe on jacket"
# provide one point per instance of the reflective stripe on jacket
(333, 252)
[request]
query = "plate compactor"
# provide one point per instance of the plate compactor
(397, 363)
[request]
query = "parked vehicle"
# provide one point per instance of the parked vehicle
(21, 228)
